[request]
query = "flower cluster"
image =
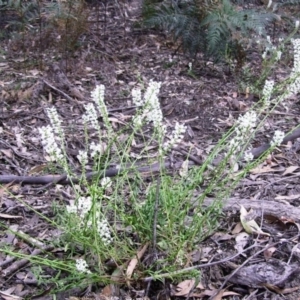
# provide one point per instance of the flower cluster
(267, 92)
(177, 136)
(245, 127)
(106, 182)
(103, 229)
(246, 123)
(84, 205)
(55, 121)
(277, 138)
(82, 266)
(137, 97)
(91, 116)
(296, 45)
(82, 157)
(294, 87)
(97, 149)
(98, 97)
(49, 143)
(248, 156)
(52, 135)
(150, 110)
(270, 48)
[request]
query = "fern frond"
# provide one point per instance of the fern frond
(209, 26)
(288, 2)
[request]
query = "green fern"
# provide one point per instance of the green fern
(288, 2)
(206, 26)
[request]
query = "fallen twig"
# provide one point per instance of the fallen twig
(64, 180)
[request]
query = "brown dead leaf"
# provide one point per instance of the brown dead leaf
(290, 290)
(115, 120)
(237, 228)
(269, 252)
(113, 290)
(37, 169)
(290, 197)
(221, 236)
(7, 152)
(219, 296)
(286, 220)
(211, 293)
(200, 254)
(7, 295)
(185, 287)
(241, 240)
(134, 261)
(76, 93)
(106, 291)
(247, 92)
(4, 188)
(280, 291)
(290, 170)
(265, 169)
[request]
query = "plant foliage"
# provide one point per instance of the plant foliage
(211, 27)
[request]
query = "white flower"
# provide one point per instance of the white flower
(190, 66)
(248, 156)
(247, 121)
(137, 97)
(82, 266)
(277, 138)
(55, 120)
(152, 106)
(71, 209)
(82, 207)
(53, 134)
(102, 228)
(98, 97)
(245, 126)
(106, 182)
(297, 23)
(234, 144)
(50, 144)
(91, 116)
(278, 55)
(267, 91)
(269, 5)
(296, 45)
(96, 149)
(264, 55)
(151, 111)
(294, 87)
(83, 157)
(176, 136)
(104, 231)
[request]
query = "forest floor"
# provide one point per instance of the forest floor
(118, 53)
